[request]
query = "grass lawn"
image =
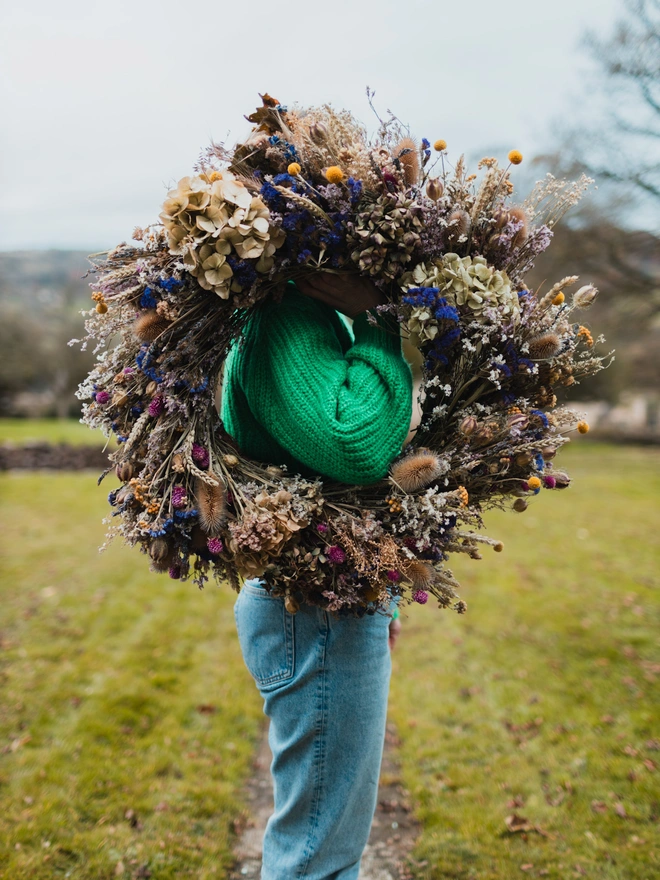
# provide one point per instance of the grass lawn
(542, 702)
(127, 720)
(50, 431)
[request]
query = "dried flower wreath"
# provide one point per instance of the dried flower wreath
(310, 191)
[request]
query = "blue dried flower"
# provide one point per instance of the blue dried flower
(148, 300)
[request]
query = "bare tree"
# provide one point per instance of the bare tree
(623, 147)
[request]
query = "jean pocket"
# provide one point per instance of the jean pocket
(266, 635)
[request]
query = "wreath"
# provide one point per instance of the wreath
(310, 191)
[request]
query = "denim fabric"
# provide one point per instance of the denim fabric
(325, 683)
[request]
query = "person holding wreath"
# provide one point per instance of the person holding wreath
(304, 391)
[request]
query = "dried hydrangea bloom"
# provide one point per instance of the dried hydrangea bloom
(207, 220)
(469, 283)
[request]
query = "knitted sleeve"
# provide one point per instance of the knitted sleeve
(342, 413)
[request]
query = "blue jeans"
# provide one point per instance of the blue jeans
(325, 683)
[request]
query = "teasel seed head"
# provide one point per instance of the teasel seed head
(434, 188)
(544, 346)
(149, 325)
(416, 471)
(459, 225)
(420, 574)
(408, 155)
(211, 505)
(585, 296)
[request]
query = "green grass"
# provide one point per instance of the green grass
(540, 701)
(103, 670)
(543, 700)
(49, 430)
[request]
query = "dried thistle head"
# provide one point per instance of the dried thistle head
(458, 226)
(150, 325)
(544, 346)
(408, 155)
(420, 574)
(416, 471)
(518, 215)
(210, 504)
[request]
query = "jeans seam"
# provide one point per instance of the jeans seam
(320, 762)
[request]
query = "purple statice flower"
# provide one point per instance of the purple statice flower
(336, 554)
(200, 455)
(102, 397)
(179, 497)
(421, 597)
(215, 546)
(322, 528)
(157, 405)
(393, 575)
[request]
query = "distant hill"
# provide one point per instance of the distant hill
(47, 279)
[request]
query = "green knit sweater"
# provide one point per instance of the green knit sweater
(299, 390)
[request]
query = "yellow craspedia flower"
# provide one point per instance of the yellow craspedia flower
(294, 169)
(515, 157)
(534, 483)
(101, 308)
(583, 427)
(214, 175)
(559, 299)
(334, 174)
(440, 145)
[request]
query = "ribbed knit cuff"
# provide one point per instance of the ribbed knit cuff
(385, 333)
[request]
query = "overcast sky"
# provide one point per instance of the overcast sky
(106, 104)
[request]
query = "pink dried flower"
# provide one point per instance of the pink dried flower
(175, 572)
(215, 545)
(549, 482)
(336, 554)
(102, 397)
(200, 455)
(179, 497)
(157, 405)
(322, 528)
(524, 486)
(393, 575)
(127, 371)
(421, 597)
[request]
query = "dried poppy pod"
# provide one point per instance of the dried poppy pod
(159, 550)
(291, 604)
(416, 471)
(468, 425)
(318, 132)
(434, 188)
(125, 471)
